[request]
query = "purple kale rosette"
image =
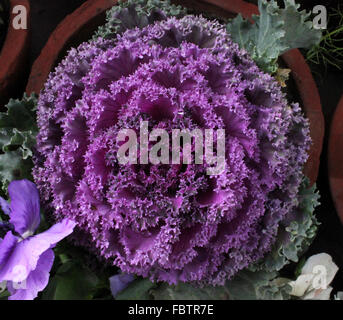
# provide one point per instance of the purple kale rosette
(170, 222)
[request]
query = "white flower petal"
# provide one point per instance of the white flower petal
(321, 265)
(318, 294)
(301, 285)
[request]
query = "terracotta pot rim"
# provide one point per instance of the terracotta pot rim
(13, 52)
(306, 85)
(335, 159)
(66, 30)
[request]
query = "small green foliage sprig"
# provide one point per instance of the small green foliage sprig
(329, 51)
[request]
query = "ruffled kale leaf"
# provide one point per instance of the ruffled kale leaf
(260, 285)
(296, 232)
(13, 167)
(275, 31)
(246, 285)
(260, 281)
(137, 13)
(184, 291)
(299, 31)
(18, 130)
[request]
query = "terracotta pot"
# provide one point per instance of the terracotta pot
(336, 159)
(13, 56)
(72, 31)
(80, 25)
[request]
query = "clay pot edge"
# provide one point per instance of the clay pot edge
(335, 159)
(65, 30)
(13, 54)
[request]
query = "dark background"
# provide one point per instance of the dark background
(45, 16)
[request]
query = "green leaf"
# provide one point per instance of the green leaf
(246, 285)
(18, 127)
(20, 114)
(258, 285)
(185, 291)
(299, 31)
(70, 257)
(14, 167)
(295, 233)
(136, 13)
(137, 290)
(18, 130)
(274, 32)
(72, 282)
(4, 295)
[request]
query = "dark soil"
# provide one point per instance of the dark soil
(4, 14)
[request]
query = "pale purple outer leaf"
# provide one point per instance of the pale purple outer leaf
(119, 282)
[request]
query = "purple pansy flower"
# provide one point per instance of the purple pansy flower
(25, 259)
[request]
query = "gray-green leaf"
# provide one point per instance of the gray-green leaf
(18, 130)
(274, 32)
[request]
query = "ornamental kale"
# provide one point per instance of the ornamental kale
(170, 222)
